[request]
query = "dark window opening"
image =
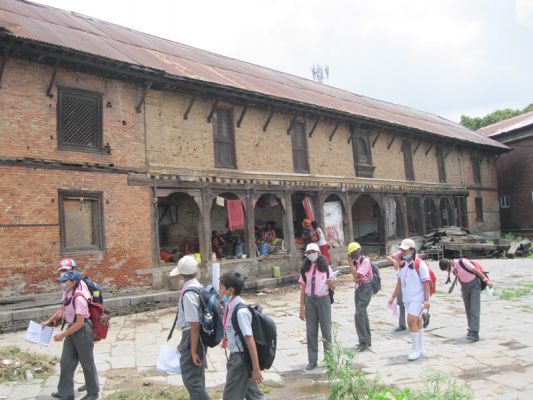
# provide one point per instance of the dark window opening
(408, 161)
(223, 138)
(79, 119)
(479, 209)
(476, 171)
(81, 221)
(299, 148)
(441, 164)
(414, 216)
(362, 155)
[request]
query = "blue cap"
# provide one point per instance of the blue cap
(70, 276)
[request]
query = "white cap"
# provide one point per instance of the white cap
(312, 247)
(407, 244)
(186, 266)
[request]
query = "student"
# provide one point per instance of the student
(322, 243)
(415, 290)
(315, 304)
(362, 273)
(78, 345)
(192, 351)
(467, 275)
(240, 383)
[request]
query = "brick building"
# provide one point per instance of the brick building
(117, 146)
(515, 172)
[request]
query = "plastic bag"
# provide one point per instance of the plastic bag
(168, 360)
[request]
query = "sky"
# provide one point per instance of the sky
(446, 57)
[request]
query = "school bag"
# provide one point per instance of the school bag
(432, 276)
(479, 268)
(331, 293)
(264, 332)
(99, 316)
(211, 327)
(95, 289)
(375, 282)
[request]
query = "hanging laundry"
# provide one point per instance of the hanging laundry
(235, 215)
(219, 201)
(308, 207)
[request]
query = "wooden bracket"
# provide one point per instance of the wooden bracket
(52, 80)
(429, 148)
(314, 126)
(267, 122)
(334, 130)
(242, 115)
(376, 139)
(417, 146)
(449, 151)
(3, 65)
(352, 132)
(186, 115)
(293, 120)
(212, 111)
(391, 142)
(146, 88)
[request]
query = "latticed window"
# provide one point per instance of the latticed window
(408, 161)
(299, 147)
(79, 119)
(223, 138)
(81, 221)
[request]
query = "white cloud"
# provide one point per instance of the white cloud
(524, 12)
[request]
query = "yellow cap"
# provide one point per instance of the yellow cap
(353, 247)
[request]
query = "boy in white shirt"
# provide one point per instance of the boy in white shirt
(415, 286)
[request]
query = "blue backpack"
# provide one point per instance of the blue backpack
(95, 289)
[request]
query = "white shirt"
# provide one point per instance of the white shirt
(411, 283)
(321, 238)
(189, 307)
(244, 318)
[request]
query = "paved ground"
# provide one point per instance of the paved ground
(499, 366)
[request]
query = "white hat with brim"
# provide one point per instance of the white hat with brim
(407, 244)
(312, 247)
(186, 266)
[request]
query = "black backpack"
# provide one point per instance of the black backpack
(95, 289)
(211, 329)
(375, 283)
(265, 336)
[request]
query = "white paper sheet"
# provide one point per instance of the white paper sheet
(215, 272)
(393, 309)
(168, 360)
(38, 334)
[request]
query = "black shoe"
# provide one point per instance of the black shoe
(361, 348)
(474, 337)
(425, 317)
(90, 397)
(82, 388)
(56, 395)
(400, 329)
(310, 367)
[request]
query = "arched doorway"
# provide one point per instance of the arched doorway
(178, 225)
(431, 213)
(368, 224)
(225, 242)
(334, 216)
(269, 223)
(446, 212)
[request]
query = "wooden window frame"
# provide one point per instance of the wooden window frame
(230, 140)
(479, 209)
(363, 170)
(303, 149)
(441, 165)
(476, 170)
(98, 221)
(408, 161)
(414, 211)
(97, 100)
(505, 201)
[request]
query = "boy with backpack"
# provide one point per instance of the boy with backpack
(192, 350)
(471, 276)
(414, 281)
(362, 274)
(240, 383)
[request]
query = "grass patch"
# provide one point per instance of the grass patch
(15, 362)
(510, 294)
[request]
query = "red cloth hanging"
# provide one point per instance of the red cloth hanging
(308, 207)
(235, 215)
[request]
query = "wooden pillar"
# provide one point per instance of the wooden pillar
(349, 216)
(289, 227)
(250, 223)
(205, 231)
(155, 226)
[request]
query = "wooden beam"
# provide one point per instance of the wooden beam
(376, 139)
(449, 151)
(186, 115)
(417, 146)
(293, 120)
(352, 132)
(391, 142)
(334, 130)
(429, 148)
(3, 65)
(314, 126)
(212, 111)
(146, 88)
(52, 79)
(242, 115)
(265, 126)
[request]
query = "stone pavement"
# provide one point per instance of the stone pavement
(499, 366)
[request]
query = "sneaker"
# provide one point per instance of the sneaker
(56, 395)
(469, 333)
(400, 329)
(413, 356)
(425, 317)
(90, 397)
(474, 337)
(310, 366)
(82, 388)
(361, 348)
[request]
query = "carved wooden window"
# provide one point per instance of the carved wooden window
(476, 171)
(81, 221)
(299, 148)
(441, 164)
(224, 139)
(79, 119)
(479, 209)
(414, 216)
(408, 161)
(362, 154)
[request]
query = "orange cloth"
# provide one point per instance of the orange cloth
(235, 215)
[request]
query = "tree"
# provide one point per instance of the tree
(476, 123)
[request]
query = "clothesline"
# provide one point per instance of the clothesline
(216, 195)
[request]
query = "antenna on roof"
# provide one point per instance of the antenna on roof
(320, 72)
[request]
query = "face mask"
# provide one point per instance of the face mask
(407, 257)
(227, 298)
(64, 287)
(356, 256)
(312, 257)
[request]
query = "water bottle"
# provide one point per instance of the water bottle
(490, 291)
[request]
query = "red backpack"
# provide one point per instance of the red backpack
(99, 316)
(432, 276)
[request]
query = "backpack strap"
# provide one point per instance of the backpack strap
(469, 270)
(192, 289)
(238, 333)
(417, 266)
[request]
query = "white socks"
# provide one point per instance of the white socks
(415, 352)
(421, 342)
